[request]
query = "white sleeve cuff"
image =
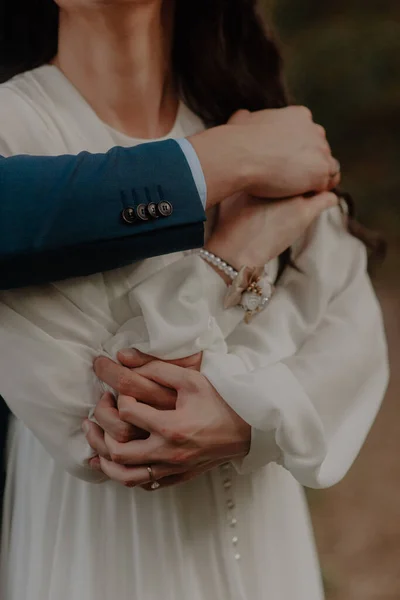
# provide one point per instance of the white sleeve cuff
(196, 168)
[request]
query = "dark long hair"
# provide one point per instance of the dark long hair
(223, 56)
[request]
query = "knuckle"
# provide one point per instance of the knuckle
(124, 383)
(175, 436)
(304, 112)
(326, 149)
(115, 452)
(322, 173)
(125, 414)
(117, 457)
(322, 181)
(101, 420)
(122, 433)
(326, 181)
(321, 130)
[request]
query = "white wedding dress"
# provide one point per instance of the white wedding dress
(308, 374)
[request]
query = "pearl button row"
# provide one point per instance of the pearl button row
(219, 263)
(230, 504)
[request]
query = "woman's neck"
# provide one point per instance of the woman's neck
(119, 59)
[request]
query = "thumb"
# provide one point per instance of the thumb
(319, 203)
(132, 358)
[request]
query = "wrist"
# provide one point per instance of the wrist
(224, 160)
(237, 259)
(225, 254)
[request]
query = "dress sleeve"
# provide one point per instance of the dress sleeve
(309, 373)
(46, 375)
(182, 312)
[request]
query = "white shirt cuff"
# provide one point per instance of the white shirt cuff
(195, 167)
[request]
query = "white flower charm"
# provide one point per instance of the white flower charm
(251, 287)
(251, 301)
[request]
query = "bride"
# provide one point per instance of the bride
(317, 351)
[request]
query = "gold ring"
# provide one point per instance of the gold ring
(154, 483)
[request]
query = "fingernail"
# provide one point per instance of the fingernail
(95, 464)
(86, 427)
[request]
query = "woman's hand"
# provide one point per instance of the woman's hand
(251, 231)
(123, 379)
(198, 432)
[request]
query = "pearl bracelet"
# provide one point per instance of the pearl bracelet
(217, 262)
(251, 288)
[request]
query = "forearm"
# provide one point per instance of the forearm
(227, 165)
(62, 217)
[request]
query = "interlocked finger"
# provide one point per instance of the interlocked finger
(153, 449)
(131, 383)
(95, 438)
(107, 416)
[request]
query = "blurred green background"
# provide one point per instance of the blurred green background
(343, 61)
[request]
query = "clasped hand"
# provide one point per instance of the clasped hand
(156, 422)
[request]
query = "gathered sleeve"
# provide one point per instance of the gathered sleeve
(310, 372)
(47, 378)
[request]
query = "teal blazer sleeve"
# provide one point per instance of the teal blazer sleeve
(69, 216)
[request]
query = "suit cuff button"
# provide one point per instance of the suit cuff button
(142, 212)
(165, 208)
(152, 210)
(128, 215)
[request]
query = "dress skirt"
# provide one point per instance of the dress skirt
(221, 537)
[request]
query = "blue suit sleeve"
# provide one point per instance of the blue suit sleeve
(62, 216)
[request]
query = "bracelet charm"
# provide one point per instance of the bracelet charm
(251, 288)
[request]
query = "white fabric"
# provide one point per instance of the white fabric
(308, 374)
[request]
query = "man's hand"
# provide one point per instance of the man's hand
(198, 433)
(273, 153)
